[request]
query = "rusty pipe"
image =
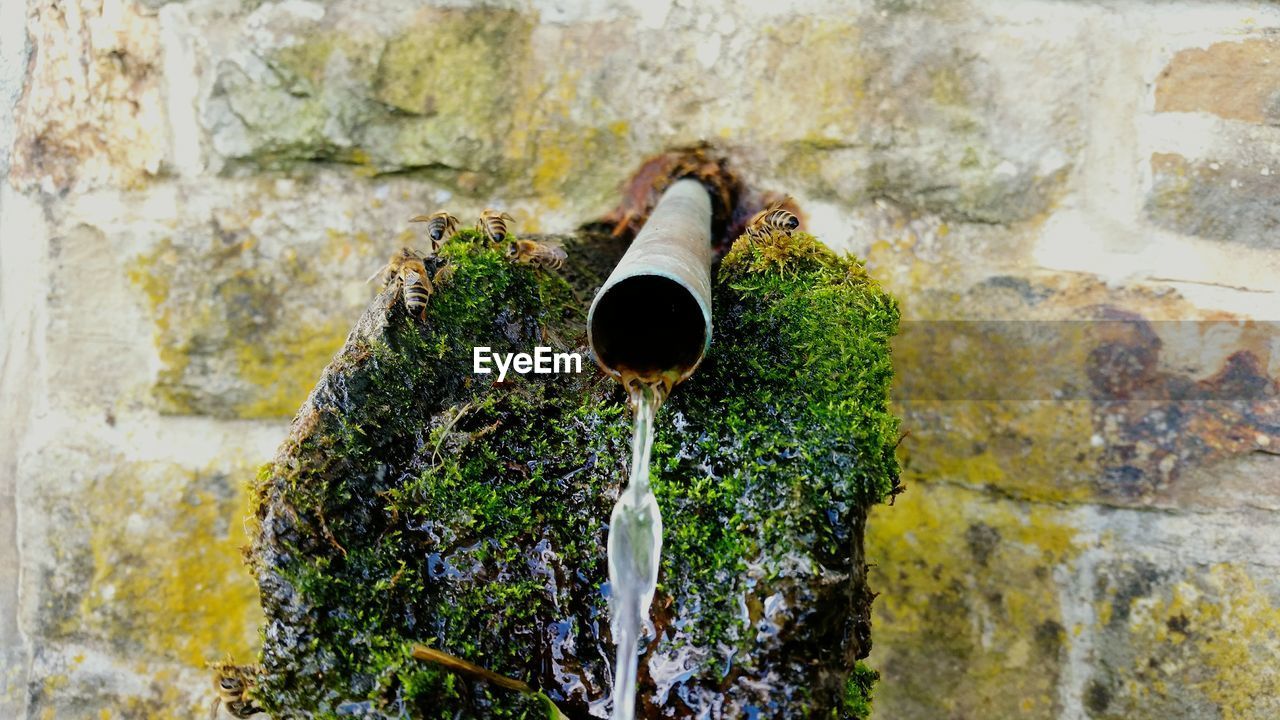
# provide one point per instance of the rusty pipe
(651, 319)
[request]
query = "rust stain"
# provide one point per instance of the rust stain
(700, 162)
(1155, 423)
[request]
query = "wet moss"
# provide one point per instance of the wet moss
(769, 457)
(405, 477)
(418, 502)
(858, 690)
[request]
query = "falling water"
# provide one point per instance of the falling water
(635, 544)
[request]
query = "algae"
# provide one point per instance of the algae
(415, 502)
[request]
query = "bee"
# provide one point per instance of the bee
(440, 227)
(443, 275)
(232, 684)
(772, 219)
(407, 271)
(543, 255)
(494, 225)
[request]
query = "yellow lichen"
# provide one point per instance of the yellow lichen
(309, 59)
(947, 87)
(261, 325)
(54, 683)
(1175, 190)
(967, 601)
(564, 153)
(551, 169)
(1035, 450)
(153, 273)
(464, 72)
(285, 367)
(1218, 634)
(168, 579)
(828, 78)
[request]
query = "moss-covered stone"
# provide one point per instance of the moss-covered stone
(417, 502)
(858, 691)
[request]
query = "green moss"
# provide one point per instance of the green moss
(418, 502)
(378, 546)
(858, 690)
(786, 435)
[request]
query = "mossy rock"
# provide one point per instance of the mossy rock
(416, 502)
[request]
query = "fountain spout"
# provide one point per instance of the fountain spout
(651, 320)
(649, 327)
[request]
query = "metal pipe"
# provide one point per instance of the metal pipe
(652, 318)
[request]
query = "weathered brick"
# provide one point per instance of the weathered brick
(1227, 200)
(1236, 80)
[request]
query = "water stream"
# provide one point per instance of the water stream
(635, 545)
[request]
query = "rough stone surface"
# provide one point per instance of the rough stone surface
(1229, 201)
(196, 191)
(1233, 80)
(91, 112)
(953, 638)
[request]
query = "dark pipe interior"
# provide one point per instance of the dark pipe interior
(647, 324)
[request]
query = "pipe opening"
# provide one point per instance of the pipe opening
(648, 325)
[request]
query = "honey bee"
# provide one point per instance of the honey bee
(440, 227)
(443, 275)
(772, 219)
(494, 225)
(543, 255)
(407, 271)
(232, 684)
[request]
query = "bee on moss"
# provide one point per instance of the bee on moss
(443, 275)
(773, 219)
(542, 255)
(494, 225)
(231, 685)
(407, 271)
(440, 227)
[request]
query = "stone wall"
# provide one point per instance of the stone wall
(197, 190)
